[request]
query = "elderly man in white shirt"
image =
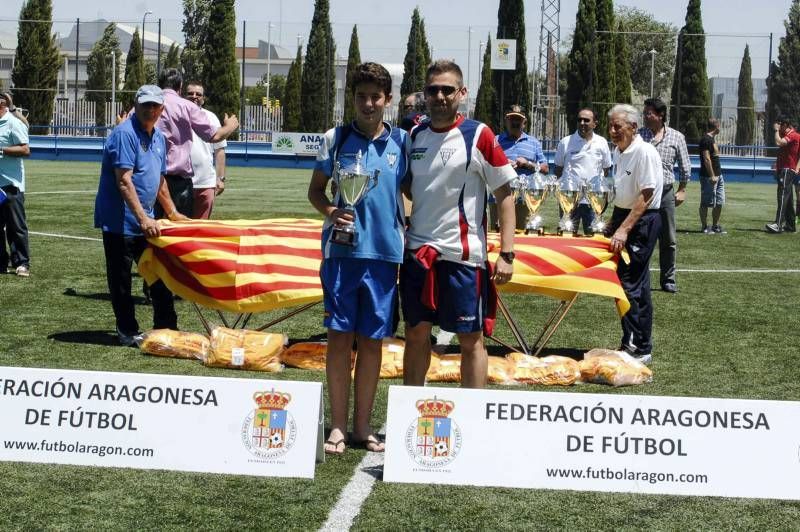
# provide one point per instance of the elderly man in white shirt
(635, 224)
(208, 159)
(583, 155)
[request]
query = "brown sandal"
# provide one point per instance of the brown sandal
(371, 443)
(334, 449)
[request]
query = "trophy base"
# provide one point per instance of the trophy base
(534, 225)
(344, 237)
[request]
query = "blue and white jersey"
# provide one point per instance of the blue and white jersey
(380, 216)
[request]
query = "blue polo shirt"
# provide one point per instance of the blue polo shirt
(525, 146)
(131, 148)
(13, 132)
(380, 216)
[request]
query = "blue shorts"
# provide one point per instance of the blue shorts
(709, 196)
(462, 295)
(359, 295)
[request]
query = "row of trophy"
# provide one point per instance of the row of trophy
(569, 190)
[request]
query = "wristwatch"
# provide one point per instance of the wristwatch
(222, 178)
(508, 256)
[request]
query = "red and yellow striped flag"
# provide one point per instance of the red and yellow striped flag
(262, 265)
(562, 266)
(239, 265)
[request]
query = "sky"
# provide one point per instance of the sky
(383, 25)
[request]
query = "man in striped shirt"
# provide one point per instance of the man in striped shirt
(671, 146)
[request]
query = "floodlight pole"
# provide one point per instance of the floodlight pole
(652, 70)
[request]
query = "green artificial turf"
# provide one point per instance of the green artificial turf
(724, 334)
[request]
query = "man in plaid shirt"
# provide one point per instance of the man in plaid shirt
(671, 146)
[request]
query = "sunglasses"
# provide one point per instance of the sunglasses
(584, 120)
(434, 90)
(199, 94)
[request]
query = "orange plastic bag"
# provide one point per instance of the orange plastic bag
(178, 344)
(243, 349)
(617, 368)
(550, 370)
(444, 368)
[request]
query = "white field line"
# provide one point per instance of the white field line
(354, 494)
(55, 235)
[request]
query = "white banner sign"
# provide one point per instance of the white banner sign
(593, 442)
(296, 143)
(504, 54)
(213, 425)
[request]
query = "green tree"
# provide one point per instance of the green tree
(173, 59)
(277, 89)
(318, 89)
(353, 60)
(512, 86)
(771, 111)
(582, 58)
(99, 73)
(220, 69)
(647, 33)
(418, 56)
(195, 27)
(292, 100)
(690, 101)
(623, 66)
(605, 79)
(486, 97)
(745, 114)
(784, 80)
(36, 63)
(134, 71)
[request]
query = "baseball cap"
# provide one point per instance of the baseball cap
(150, 93)
(515, 110)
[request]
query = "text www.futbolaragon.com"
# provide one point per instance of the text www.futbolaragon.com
(624, 474)
(76, 448)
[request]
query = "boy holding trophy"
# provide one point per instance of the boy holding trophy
(362, 244)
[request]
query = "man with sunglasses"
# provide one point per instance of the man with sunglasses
(208, 159)
(445, 276)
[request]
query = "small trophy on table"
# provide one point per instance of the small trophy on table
(568, 191)
(353, 181)
(534, 189)
(600, 193)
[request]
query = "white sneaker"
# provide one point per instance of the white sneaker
(129, 340)
(23, 271)
(644, 359)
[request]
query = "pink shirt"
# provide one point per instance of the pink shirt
(179, 119)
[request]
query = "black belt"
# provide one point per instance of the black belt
(667, 188)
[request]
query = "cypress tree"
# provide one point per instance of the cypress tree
(582, 58)
(771, 107)
(486, 97)
(513, 87)
(173, 59)
(784, 82)
(745, 114)
(353, 60)
(98, 72)
(134, 71)
(291, 99)
(318, 89)
(195, 27)
(36, 63)
(220, 69)
(605, 80)
(622, 69)
(418, 57)
(690, 101)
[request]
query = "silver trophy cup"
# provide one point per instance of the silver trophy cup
(599, 193)
(353, 181)
(568, 191)
(534, 189)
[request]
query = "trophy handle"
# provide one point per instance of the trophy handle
(374, 180)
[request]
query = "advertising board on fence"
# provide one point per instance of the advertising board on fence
(205, 424)
(296, 143)
(593, 442)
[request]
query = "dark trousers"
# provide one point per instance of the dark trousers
(637, 324)
(784, 215)
(182, 193)
(582, 213)
(121, 252)
(12, 218)
(668, 237)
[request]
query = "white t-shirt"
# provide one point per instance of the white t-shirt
(202, 155)
(636, 169)
(450, 171)
(583, 159)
